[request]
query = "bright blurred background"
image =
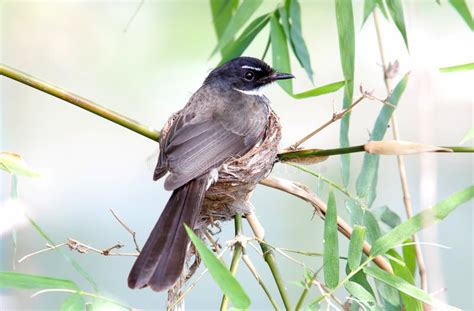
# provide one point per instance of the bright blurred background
(89, 165)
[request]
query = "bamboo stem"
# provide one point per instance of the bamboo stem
(235, 256)
(400, 161)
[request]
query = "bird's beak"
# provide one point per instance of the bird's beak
(281, 76)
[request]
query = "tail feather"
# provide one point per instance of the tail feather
(161, 260)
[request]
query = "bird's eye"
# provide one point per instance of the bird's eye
(249, 76)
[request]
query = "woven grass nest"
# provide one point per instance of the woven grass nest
(237, 179)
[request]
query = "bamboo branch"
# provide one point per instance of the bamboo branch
(150, 132)
(400, 161)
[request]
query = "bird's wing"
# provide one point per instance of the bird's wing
(197, 147)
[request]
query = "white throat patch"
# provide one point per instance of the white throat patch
(255, 92)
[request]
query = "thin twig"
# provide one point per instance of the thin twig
(400, 161)
(48, 248)
(269, 257)
(126, 227)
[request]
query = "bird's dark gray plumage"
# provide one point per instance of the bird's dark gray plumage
(223, 119)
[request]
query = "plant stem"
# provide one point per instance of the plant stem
(235, 256)
(269, 257)
(80, 102)
(400, 161)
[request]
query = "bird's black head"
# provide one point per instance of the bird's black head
(245, 74)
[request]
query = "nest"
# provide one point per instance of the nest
(238, 177)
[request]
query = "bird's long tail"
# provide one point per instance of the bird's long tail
(161, 260)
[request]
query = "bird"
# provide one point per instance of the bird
(225, 118)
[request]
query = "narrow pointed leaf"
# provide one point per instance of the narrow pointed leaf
(421, 220)
(387, 216)
(395, 9)
(221, 275)
(241, 16)
(369, 6)
(222, 12)
(372, 225)
(355, 247)
(325, 89)
(402, 271)
(406, 287)
(297, 41)
(30, 281)
(280, 55)
(409, 256)
(361, 279)
(346, 35)
(360, 293)
(370, 163)
(463, 10)
(382, 8)
(463, 67)
(331, 245)
(236, 48)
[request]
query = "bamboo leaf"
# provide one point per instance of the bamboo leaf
(420, 221)
(387, 216)
(221, 275)
(369, 6)
(30, 281)
(222, 12)
(369, 169)
(345, 28)
(325, 89)
(355, 247)
(402, 271)
(237, 47)
(297, 41)
(280, 55)
(461, 7)
(463, 67)
(382, 8)
(395, 9)
(73, 302)
(14, 164)
(409, 256)
(241, 16)
(469, 135)
(360, 293)
(405, 287)
(331, 245)
(372, 225)
(361, 279)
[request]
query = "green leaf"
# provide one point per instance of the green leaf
(389, 296)
(73, 302)
(297, 41)
(369, 6)
(370, 163)
(396, 11)
(373, 228)
(463, 67)
(280, 55)
(325, 89)
(360, 293)
(241, 16)
(382, 8)
(461, 7)
(403, 272)
(355, 247)
(331, 245)
(221, 275)
(420, 221)
(30, 281)
(387, 216)
(409, 256)
(356, 212)
(345, 28)
(469, 135)
(237, 47)
(14, 164)
(222, 12)
(361, 279)
(65, 256)
(405, 287)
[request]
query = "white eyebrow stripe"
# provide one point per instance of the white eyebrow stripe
(250, 67)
